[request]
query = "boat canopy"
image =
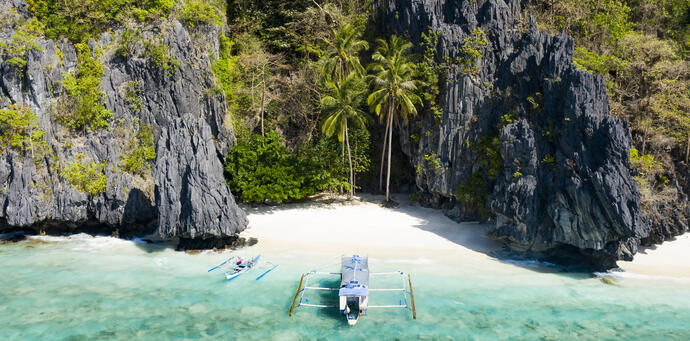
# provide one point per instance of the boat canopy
(355, 276)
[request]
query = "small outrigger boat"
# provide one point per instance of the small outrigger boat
(353, 293)
(242, 266)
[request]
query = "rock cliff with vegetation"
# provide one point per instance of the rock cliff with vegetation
(564, 124)
(110, 121)
(523, 135)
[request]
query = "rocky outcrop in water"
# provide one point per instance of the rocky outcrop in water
(183, 195)
(563, 179)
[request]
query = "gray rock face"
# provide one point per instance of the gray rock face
(184, 195)
(193, 200)
(566, 179)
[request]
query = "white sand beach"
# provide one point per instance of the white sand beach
(671, 259)
(335, 227)
(343, 227)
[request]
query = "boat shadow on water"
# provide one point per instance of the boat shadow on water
(321, 297)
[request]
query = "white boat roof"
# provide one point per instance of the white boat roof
(354, 276)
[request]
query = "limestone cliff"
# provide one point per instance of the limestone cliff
(183, 195)
(565, 182)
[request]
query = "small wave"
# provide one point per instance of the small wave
(85, 242)
(99, 243)
(57, 239)
(633, 275)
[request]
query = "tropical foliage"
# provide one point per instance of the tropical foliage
(278, 67)
(19, 130)
(84, 106)
(342, 57)
(394, 97)
(86, 176)
(82, 20)
(262, 169)
(342, 106)
(140, 152)
(342, 74)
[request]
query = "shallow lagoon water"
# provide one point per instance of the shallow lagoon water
(81, 287)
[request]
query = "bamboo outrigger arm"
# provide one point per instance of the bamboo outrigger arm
(299, 289)
(414, 310)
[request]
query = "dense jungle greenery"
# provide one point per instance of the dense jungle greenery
(295, 67)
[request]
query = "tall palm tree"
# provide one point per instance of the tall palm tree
(343, 106)
(394, 96)
(342, 56)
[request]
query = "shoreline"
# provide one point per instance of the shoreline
(335, 227)
(330, 225)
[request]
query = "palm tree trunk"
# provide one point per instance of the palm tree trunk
(354, 167)
(383, 154)
(342, 159)
(349, 156)
(263, 96)
(390, 146)
(251, 93)
(687, 150)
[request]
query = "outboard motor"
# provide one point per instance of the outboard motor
(352, 310)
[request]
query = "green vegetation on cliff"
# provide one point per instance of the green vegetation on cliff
(141, 152)
(202, 12)
(86, 176)
(641, 48)
(19, 131)
(84, 106)
(159, 54)
(474, 193)
(23, 39)
(84, 19)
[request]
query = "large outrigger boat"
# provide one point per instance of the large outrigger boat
(354, 291)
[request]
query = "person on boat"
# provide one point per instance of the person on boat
(239, 261)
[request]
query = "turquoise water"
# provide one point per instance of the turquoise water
(82, 288)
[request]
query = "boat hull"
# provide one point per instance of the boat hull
(352, 319)
(230, 277)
